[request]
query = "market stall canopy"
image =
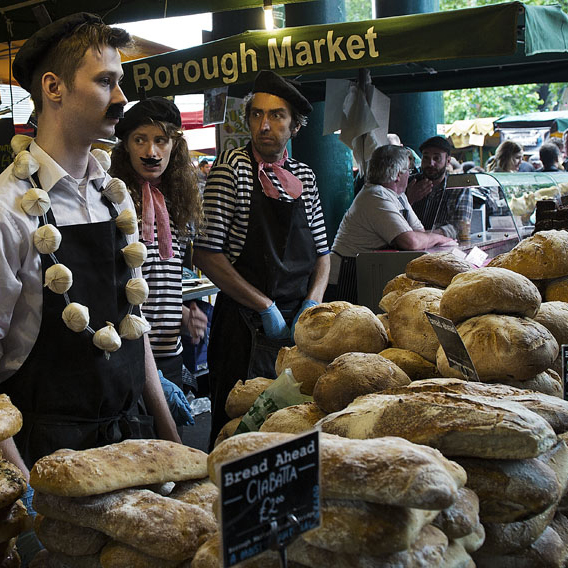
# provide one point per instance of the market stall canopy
(500, 44)
(464, 133)
(20, 21)
(556, 121)
(139, 48)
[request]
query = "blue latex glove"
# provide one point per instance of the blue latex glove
(305, 305)
(273, 323)
(177, 402)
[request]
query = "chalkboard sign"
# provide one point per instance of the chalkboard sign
(452, 344)
(275, 488)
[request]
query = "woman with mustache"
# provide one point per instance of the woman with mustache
(153, 160)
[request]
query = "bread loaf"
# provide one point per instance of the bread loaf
(437, 268)
(556, 290)
(541, 256)
(228, 430)
(328, 330)
(511, 490)
(10, 418)
(548, 382)
(474, 540)
(156, 525)
(402, 282)
(12, 483)
(489, 291)
(507, 538)
(391, 471)
(47, 559)
(457, 556)
(548, 550)
(554, 316)
(410, 328)
(557, 460)
(13, 520)
(457, 425)
(116, 554)
(387, 302)
(306, 370)
(551, 408)
(503, 347)
(354, 374)
(357, 527)
(128, 464)
(462, 517)
(413, 364)
(202, 493)
(293, 419)
(67, 538)
(243, 394)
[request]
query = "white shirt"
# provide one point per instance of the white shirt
(21, 286)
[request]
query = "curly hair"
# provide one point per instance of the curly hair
(178, 182)
(504, 156)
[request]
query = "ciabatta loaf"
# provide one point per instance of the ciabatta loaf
(457, 425)
(387, 470)
(130, 463)
(156, 525)
(358, 527)
(68, 538)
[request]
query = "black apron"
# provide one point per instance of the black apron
(70, 394)
(278, 258)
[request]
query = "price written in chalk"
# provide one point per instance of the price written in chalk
(267, 487)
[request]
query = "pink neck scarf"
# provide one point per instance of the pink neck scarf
(154, 210)
(290, 183)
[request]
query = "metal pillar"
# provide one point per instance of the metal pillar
(413, 116)
(330, 159)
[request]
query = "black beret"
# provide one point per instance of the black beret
(437, 142)
(270, 82)
(156, 108)
(34, 50)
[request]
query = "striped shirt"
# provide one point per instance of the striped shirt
(227, 200)
(163, 308)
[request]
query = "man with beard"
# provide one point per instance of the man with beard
(440, 210)
(66, 287)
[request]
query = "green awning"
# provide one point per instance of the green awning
(490, 45)
(557, 120)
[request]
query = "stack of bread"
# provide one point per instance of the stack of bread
(13, 515)
(384, 502)
(114, 506)
(508, 440)
(324, 334)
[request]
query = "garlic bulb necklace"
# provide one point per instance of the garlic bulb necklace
(59, 279)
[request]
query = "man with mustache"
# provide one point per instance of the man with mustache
(440, 210)
(265, 244)
(76, 383)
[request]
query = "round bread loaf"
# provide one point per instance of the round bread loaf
(437, 268)
(548, 382)
(242, 395)
(402, 282)
(306, 369)
(293, 419)
(541, 256)
(503, 347)
(410, 328)
(489, 291)
(330, 329)
(389, 300)
(355, 374)
(228, 430)
(556, 290)
(554, 316)
(414, 365)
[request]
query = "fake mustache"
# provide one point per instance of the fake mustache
(115, 110)
(151, 161)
